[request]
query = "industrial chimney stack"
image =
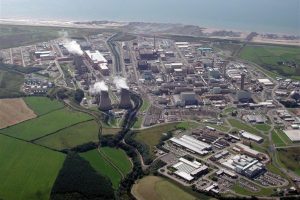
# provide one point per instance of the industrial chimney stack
(105, 103)
(242, 81)
(125, 102)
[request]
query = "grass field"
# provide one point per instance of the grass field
(10, 84)
(242, 126)
(17, 35)
(119, 158)
(138, 122)
(42, 105)
(290, 158)
(268, 57)
(283, 136)
(263, 192)
(154, 187)
(145, 105)
(71, 137)
(14, 111)
(46, 124)
(102, 163)
(263, 127)
(151, 136)
(110, 131)
(277, 140)
(27, 171)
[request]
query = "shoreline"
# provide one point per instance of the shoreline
(268, 38)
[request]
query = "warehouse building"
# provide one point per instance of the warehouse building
(294, 135)
(189, 170)
(191, 144)
(95, 58)
(251, 136)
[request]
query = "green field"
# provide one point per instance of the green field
(290, 158)
(119, 158)
(106, 161)
(158, 188)
(277, 140)
(242, 126)
(151, 136)
(46, 124)
(10, 84)
(145, 105)
(42, 105)
(18, 35)
(263, 127)
(71, 137)
(283, 136)
(110, 131)
(268, 57)
(138, 122)
(27, 171)
(263, 192)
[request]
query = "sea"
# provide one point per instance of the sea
(264, 16)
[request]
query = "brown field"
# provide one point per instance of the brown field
(158, 188)
(14, 111)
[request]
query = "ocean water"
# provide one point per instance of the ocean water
(272, 16)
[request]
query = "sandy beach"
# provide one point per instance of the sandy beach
(280, 39)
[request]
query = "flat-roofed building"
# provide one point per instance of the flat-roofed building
(294, 135)
(251, 136)
(192, 144)
(189, 170)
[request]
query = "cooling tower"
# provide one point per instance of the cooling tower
(125, 102)
(104, 103)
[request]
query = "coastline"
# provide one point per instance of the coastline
(270, 38)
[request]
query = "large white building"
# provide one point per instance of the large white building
(192, 144)
(95, 57)
(244, 165)
(188, 170)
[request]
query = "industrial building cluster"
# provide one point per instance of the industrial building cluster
(215, 161)
(233, 102)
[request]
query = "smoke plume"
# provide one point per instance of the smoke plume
(73, 47)
(98, 87)
(120, 83)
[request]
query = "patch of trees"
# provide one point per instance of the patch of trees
(20, 69)
(78, 180)
(141, 147)
(78, 95)
(82, 148)
(124, 191)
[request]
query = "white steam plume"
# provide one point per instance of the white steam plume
(120, 83)
(98, 87)
(73, 47)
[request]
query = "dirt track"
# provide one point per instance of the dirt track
(13, 111)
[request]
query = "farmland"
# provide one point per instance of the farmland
(42, 105)
(46, 124)
(10, 84)
(153, 187)
(27, 171)
(112, 163)
(276, 59)
(71, 137)
(13, 111)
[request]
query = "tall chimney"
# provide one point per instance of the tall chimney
(105, 103)
(125, 102)
(242, 81)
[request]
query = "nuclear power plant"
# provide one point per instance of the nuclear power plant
(104, 101)
(125, 102)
